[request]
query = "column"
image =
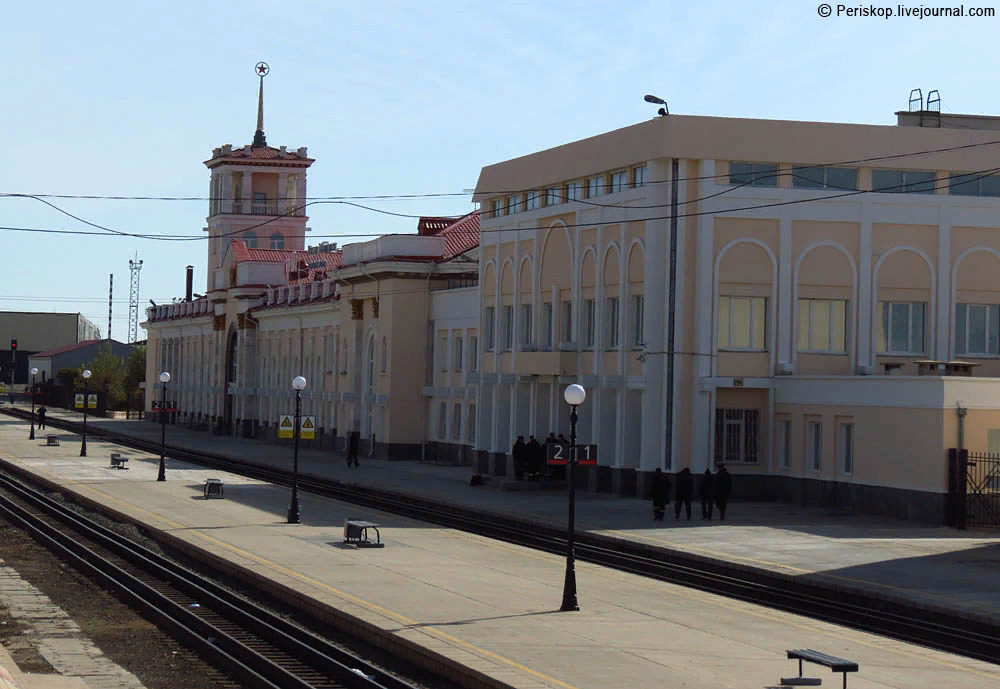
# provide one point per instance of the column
(247, 192)
(282, 201)
(942, 311)
(785, 290)
(703, 344)
(865, 355)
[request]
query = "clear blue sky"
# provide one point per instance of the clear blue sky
(128, 99)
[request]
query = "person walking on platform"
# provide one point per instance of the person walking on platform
(353, 441)
(41, 418)
(659, 491)
(518, 455)
(536, 458)
(685, 487)
(723, 487)
(706, 489)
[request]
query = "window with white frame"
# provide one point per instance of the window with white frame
(737, 435)
(508, 327)
(619, 181)
(742, 323)
(611, 320)
(595, 186)
(823, 326)
(489, 326)
(459, 353)
(547, 324)
(977, 327)
(754, 174)
(553, 196)
(821, 177)
(567, 321)
(785, 443)
(901, 327)
(637, 316)
(525, 324)
(904, 181)
(277, 241)
(513, 204)
(443, 352)
(533, 200)
(473, 353)
(574, 191)
(973, 184)
(589, 321)
(814, 444)
(443, 421)
(497, 208)
(845, 448)
(471, 425)
(639, 176)
(250, 238)
(456, 421)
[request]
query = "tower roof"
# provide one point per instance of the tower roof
(259, 139)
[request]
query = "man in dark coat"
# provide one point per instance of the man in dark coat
(563, 438)
(707, 492)
(519, 455)
(659, 491)
(685, 488)
(352, 448)
(536, 458)
(723, 487)
(41, 418)
(551, 439)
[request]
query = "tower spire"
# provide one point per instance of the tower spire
(259, 139)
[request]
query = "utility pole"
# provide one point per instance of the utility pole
(111, 290)
(671, 309)
(134, 266)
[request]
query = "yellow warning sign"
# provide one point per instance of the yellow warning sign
(308, 430)
(79, 401)
(285, 426)
(92, 402)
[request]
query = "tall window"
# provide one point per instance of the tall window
(533, 200)
(612, 322)
(513, 204)
(471, 434)
(459, 353)
(742, 323)
(553, 196)
(589, 320)
(277, 241)
(837, 178)
(250, 238)
(443, 352)
(754, 174)
(567, 321)
(639, 176)
(574, 191)
(508, 327)
(638, 314)
(497, 208)
(619, 181)
(595, 186)
(473, 353)
(846, 448)
(785, 443)
(977, 327)
(385, 354)
(489, 326)
(901, 327)
(822, 326)
(973, 184)
(814, 444)
(903, 181)
(456, 421)
(547, 324)
(525, 323)
(443, 421)
(737, 433)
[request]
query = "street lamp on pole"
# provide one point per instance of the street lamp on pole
(299, 383)
(574, 396)
(164, 379)
(86, 399)
(33, 372)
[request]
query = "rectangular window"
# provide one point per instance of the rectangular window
(835, 178)
(489, 324)
(638, 314)
(567, 321)
(589, 318)
(456, 421)
(846, 449)
(508, 328)
(639, 176)
(611, 319)
(513, 205)
(823, 326)
(471, 425)
(525, 324)
(595, 187)
(901, 327)
(785, 443)
(977, 329)
(443, 352)
(814, 442)
(533, 200)
(474, 353)
(903, 181)
(547, 324)
(737, 435)
(619, 181)
(553, 196)
(574, 191)
(459, 353)
(497, 208)
(754, 174)
(443, 421)
(742, 323)
(973, 184)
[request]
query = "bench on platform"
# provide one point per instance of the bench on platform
(811, 656)
(118, 461)
(51, 440)
(356, 533)
(214, 488)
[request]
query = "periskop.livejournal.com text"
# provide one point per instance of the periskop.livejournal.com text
(903, 11)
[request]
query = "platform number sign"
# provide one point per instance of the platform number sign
(164, 406)
(285, 427)
(559, 454)
(308, 429)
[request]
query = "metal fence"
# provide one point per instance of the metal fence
(973, 489)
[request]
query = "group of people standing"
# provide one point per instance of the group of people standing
(529, 457)
(713, 489)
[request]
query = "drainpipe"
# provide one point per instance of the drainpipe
(430, 345)
(961, 411)
(256, 327)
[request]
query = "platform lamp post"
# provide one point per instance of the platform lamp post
(164, 379)
(299, 383)
(574, 396)
(33, 372)
(86, 396)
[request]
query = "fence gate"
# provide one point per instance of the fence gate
(974, 489)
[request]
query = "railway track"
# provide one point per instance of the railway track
(255, 647)
(943, 631)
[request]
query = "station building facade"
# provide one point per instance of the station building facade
(836, 303)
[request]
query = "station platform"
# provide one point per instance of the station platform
(483, 610)
(12, 678)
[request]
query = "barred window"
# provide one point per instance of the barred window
(737, 435)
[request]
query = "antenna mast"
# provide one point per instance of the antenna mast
(134, 266)
(111, 289)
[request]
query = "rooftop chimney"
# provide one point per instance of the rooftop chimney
(190, 283)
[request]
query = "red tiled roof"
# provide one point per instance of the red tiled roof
(261, 153)
(243, 253)
(461, 236)
(65, 348)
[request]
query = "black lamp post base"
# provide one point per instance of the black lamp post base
(32, 435)
(83, 449)
(569, 602)
(294, 517)
(162, 475)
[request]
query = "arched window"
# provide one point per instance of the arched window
(251, 239)
(385, 354)
(277, 241)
